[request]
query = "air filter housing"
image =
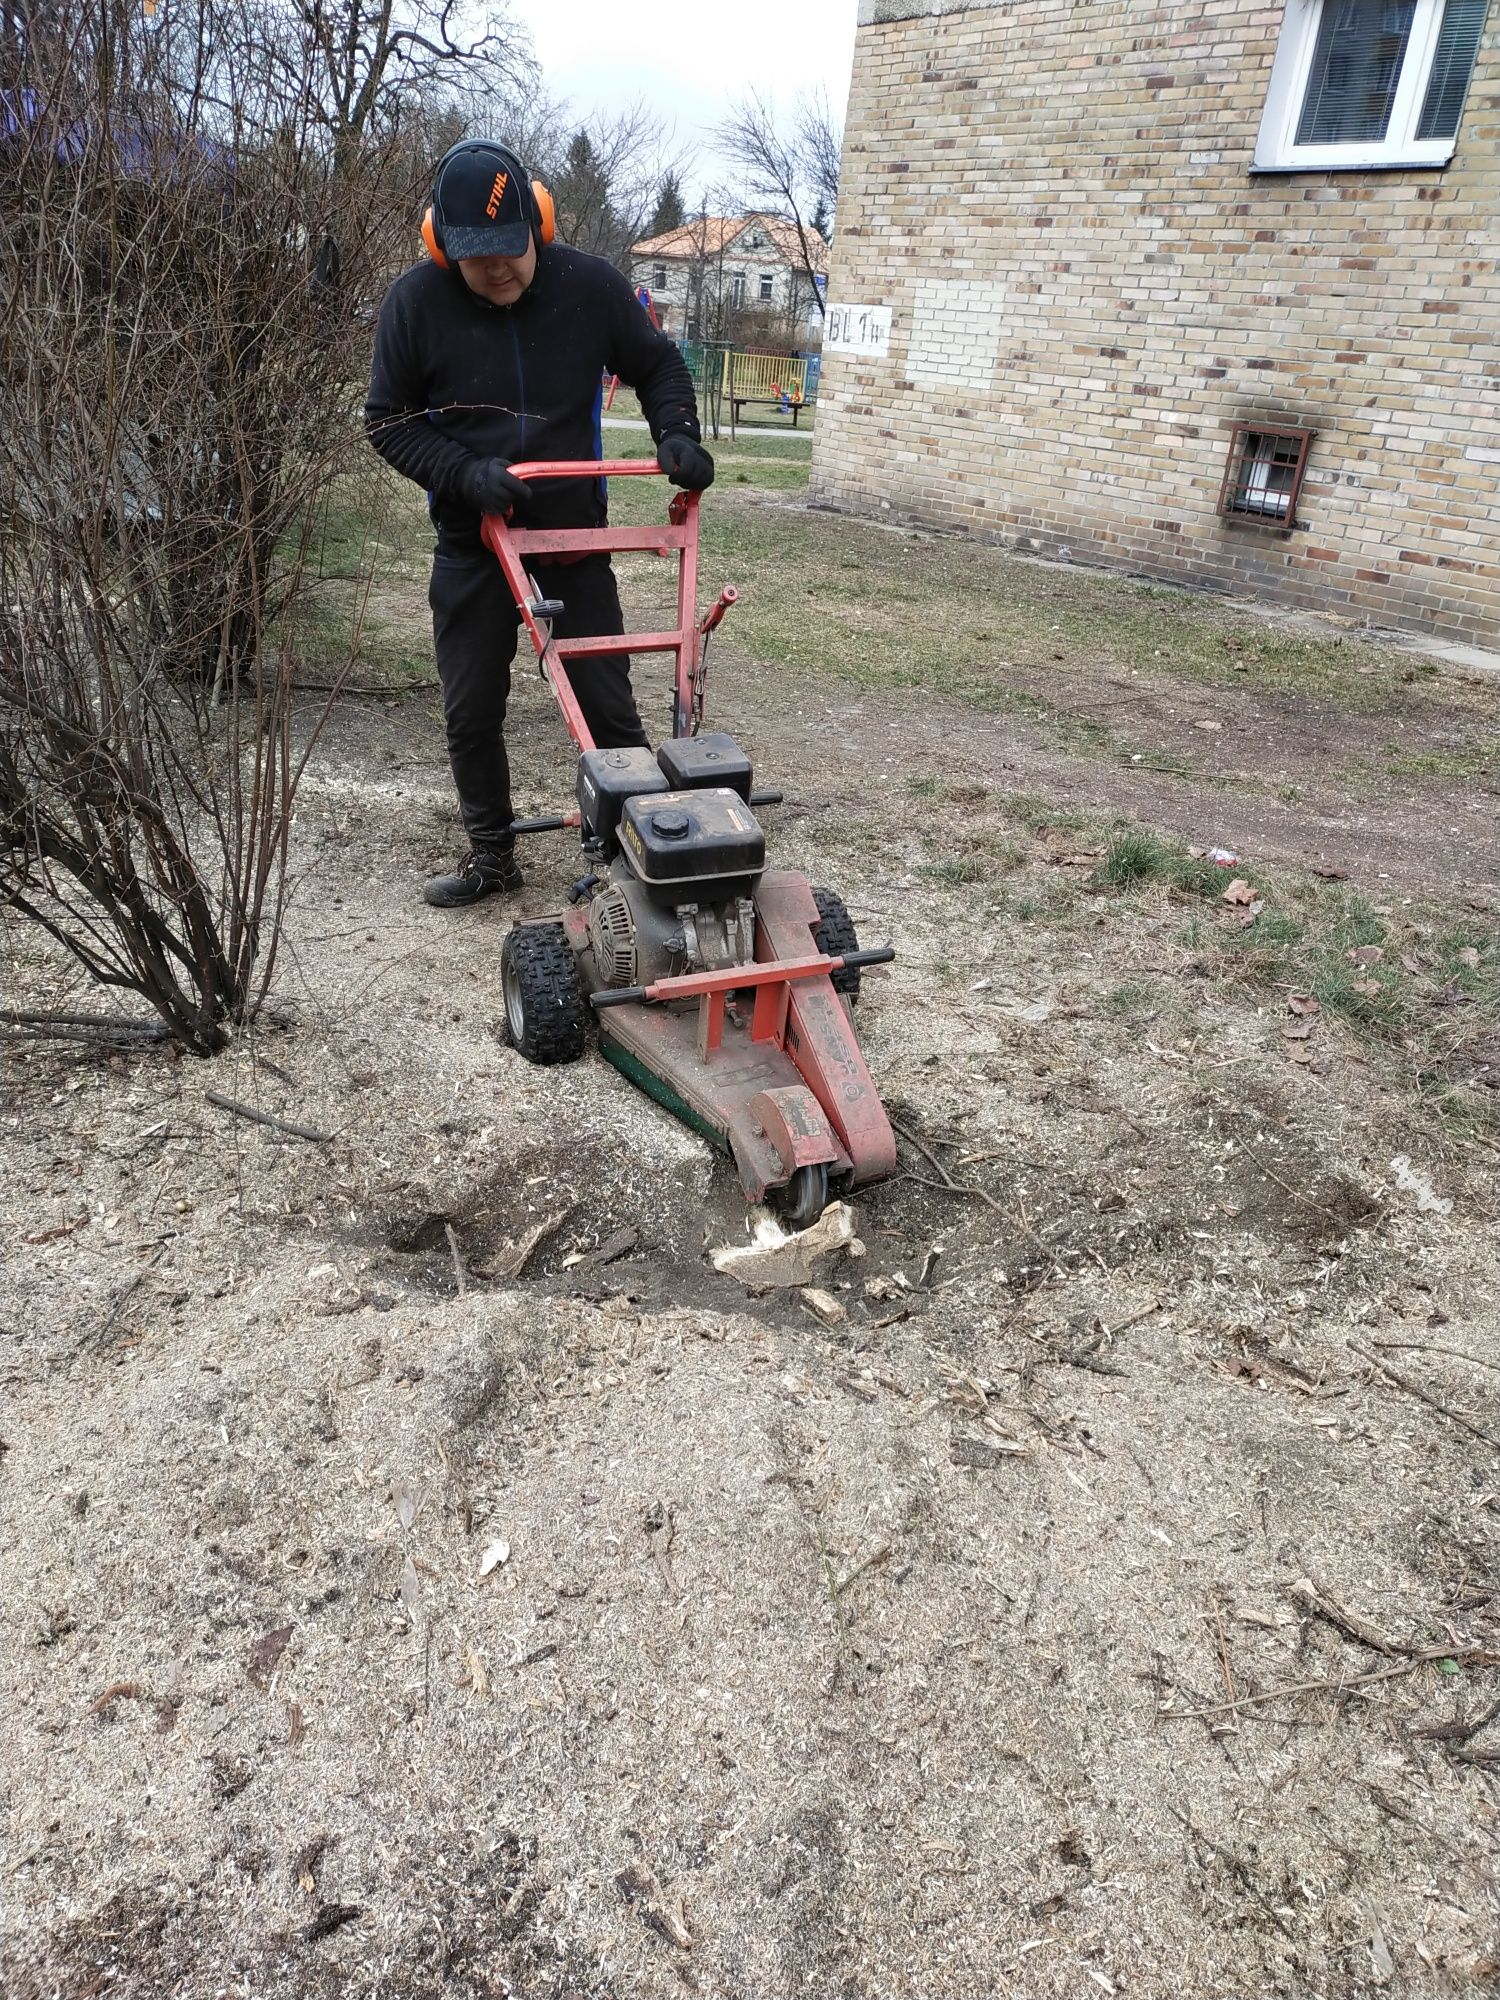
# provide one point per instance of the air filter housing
(696, 763)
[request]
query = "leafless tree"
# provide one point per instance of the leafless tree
(819, 147)
(788, 172)
(373, 64)
(605, 173)
(188, 264)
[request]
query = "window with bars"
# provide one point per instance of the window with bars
(1369, 83)
(1263, 479)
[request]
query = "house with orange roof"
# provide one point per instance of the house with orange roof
(735, 276)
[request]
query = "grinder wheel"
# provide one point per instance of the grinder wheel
(804, 1197)
(836, 936)
(545, 1014)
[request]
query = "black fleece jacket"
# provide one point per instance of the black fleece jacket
(455, 378)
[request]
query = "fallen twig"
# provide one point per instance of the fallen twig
(120, 1037)
(875, 1556)
(1224, 1666)
(120, 1691)
(393, 692)
(1427, 1347)
(1306, 1594)
(1079, 1357)
(946, 1184)
(1295, 1192)
(927, 1154)
(458, 1263)
(1464, 1656)
(638, 1885)
(127, 1293)
(1235, 1865)
(1113, 1332)
(1422, 1396)
(1460, 1732)
(267, 1118)
(116, 1023)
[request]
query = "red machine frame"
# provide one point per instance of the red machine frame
(510, 545)
(787, 1088)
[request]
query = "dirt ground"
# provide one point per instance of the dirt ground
(1108, 1603)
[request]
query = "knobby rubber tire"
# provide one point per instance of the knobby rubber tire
(546, 1016)
(836, 936)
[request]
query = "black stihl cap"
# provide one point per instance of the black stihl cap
(481, 204)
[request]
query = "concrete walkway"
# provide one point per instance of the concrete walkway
(741, 430)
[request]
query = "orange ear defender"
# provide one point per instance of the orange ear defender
(544, 212)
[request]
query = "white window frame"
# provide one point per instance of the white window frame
(659, 277)
(1276, 148)
(767, 287)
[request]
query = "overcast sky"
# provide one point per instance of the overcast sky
(691, 57)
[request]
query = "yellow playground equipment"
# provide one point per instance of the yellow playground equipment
(777, 379)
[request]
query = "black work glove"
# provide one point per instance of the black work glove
(685, 462)
(490, 487)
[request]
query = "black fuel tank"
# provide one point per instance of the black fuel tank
(687, 846)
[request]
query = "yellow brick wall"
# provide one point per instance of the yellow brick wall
(1089, 287)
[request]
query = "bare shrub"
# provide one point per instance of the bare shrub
(190, 259)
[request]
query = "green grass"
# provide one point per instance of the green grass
(761, 462)
(1137, 855)
(1464, 760)
(377, 654)
(1302, 938)
(1134, 998)
(895, 610)
(1033, 812)
(955, 871)
(979, 856)
(363, 536)
(889, 611)
(1051, 904)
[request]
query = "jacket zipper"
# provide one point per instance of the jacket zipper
(520, 386)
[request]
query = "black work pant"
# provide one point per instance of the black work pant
(474, 628)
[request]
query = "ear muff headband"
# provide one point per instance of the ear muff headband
(543, 209)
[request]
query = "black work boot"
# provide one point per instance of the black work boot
(485, 871)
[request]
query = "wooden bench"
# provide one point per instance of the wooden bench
(738, 403)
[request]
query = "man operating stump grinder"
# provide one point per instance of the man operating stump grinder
(489, 353)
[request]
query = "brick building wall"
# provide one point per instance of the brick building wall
(1089, 287)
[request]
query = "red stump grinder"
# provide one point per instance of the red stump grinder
(722, 988)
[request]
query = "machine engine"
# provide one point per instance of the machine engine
(635, 939)
(685, 853)
(679, 893)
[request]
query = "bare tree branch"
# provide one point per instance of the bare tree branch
(785, 176)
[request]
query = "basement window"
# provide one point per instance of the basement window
(1368, 83)
(1263, 479)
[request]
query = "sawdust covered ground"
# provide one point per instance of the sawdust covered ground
(1096, 1608)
